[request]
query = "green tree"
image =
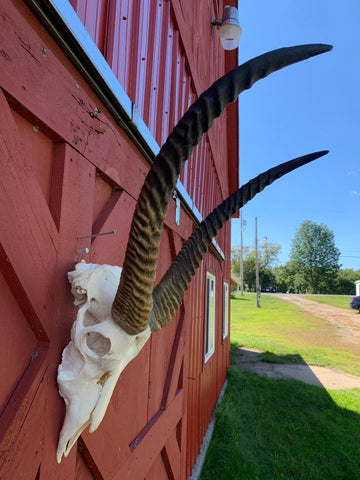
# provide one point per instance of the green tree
(267, 258)
(285, 278)
(314, 258)
(345, 281)
(249, 272)
(235, 259)
(269, 253)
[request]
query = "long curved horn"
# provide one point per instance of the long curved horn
(169, 292)
(133, 302)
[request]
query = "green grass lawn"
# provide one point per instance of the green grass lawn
(272, 429)
(341, 301)
(282, 328)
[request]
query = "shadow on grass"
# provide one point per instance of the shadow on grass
(234, 354)
(270, 357)
(241, 354)
(282, 429)
(239, 298)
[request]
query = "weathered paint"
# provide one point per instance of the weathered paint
(68, 170)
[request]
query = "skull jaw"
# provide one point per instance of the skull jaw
(98, 352)
(86, 408)
(87, 399)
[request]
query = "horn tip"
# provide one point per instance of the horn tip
(317, 48)
(322, 153)
(324, 47)
(328, 47)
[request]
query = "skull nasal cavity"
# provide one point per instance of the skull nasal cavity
(98, 343)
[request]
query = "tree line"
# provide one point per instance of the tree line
(313, 266)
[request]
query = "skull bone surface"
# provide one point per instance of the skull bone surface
(98, 352)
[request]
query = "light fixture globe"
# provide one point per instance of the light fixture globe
(230, 36)
(229, 28)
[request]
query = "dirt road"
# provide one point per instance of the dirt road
(347, 322)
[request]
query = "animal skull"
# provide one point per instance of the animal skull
(98, 352)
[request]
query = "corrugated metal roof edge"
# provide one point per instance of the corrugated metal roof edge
(65, 26)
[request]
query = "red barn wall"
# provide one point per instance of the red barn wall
(68, 171)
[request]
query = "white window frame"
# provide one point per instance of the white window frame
(210, 316)
(225, 310)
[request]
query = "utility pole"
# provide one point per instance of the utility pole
(241, 256)
(257, 268)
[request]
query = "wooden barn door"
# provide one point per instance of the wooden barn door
(50, 196)
(35, 218)
(29, 240)
(59, 182)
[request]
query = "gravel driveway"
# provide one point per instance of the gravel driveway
(347, 321)
(348, 327)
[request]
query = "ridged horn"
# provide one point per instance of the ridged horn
(133, 301)
(169, 292)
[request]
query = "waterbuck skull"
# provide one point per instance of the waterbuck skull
(97, 353)
(119, 308)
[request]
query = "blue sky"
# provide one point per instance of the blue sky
(313, 105)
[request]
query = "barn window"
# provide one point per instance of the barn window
(210, 316)
(226, 310)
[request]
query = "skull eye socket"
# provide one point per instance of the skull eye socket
(98, 343)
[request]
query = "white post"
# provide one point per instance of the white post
(241, 256)
(257, 267)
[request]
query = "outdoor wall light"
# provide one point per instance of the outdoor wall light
(229, 28)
